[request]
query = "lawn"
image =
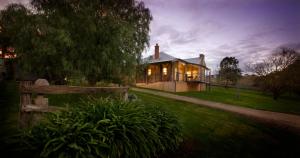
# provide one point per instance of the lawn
(207, 132)
(249, 98)
(214, 133)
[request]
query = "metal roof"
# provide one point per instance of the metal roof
(162, 58)
(192, 60)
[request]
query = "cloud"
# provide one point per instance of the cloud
(4, 3)
(295, 46)
(246, 29)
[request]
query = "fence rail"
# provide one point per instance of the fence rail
(71, 89)
(30, 110)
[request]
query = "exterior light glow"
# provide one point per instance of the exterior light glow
(189, 74)
(149, 72)
(165, 71)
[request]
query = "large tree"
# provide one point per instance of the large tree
(101, 39)
(229, 70)
(278, 72)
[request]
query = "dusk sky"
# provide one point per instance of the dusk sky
(245, 29)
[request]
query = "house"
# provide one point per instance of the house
(162, 71)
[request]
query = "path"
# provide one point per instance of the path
(288, 121)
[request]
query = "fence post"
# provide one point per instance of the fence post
(124, 94)
(25, 99)
(40, 99)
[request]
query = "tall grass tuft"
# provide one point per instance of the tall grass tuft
(105, 128)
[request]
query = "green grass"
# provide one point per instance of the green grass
(214, 133)
(249, 98)
(207, 132)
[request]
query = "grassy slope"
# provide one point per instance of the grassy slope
(207, 132)
(248, 98)
(214, 133)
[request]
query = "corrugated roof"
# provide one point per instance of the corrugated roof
(192, 60)
(163, 57)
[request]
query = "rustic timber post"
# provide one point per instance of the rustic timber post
(146, 74)
(209, 79)
(161, 72)
(40, 100)
(31, 113)
(126, 94)
(185, 72)
(25, 99)
(177, 74)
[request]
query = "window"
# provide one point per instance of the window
(165, 71)
(189, 74)
(149, 72)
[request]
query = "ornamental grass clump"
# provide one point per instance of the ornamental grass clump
(105, 128)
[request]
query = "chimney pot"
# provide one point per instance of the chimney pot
(201, 60)
(156, 52)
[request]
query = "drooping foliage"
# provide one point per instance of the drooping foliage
(105, 128)
(101, 39)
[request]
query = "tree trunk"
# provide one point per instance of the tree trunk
(275, 95)
(226, 84)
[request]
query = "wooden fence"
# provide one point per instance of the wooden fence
(31, 110)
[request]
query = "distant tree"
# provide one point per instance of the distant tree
(277, 73)
(229, 71)
(102, 40)
(292, 74)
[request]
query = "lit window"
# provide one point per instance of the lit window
(149, 72)
(165, 71)
(195, 73)
(189, 74)
(0, 52)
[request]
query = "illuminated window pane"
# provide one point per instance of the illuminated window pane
(189, 74)
(165, 71)
(149, 72)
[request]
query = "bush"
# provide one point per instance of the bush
(105, 128)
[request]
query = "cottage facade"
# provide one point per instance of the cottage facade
(162, 71)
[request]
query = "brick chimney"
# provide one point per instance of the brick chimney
(156, 52)
(201, 60)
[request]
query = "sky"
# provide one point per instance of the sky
(249, 30)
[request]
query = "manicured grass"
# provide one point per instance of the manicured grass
(249, 98)
(207, 132)
(214, 133)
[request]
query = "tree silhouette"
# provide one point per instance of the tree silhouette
(102, 40)
(229, 70)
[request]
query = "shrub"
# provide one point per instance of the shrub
(105, 128)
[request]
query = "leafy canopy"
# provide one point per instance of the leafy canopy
(101, 39)
(229, 70)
